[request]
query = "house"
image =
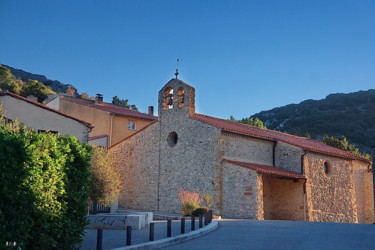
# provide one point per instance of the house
(251, 173)
(112, 123)
(42, 118)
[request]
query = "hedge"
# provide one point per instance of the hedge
(44, 189)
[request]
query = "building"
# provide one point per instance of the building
(112, 123)
(250, 172)
(42, 118)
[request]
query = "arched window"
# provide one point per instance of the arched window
(327, 168)
(168, 99)
(181, 97)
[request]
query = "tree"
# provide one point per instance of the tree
(37, 89)
(8, 81)
(250, 121)
(106, 183)
(343, 144)
(123, 103)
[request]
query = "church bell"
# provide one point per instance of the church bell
(170, 100)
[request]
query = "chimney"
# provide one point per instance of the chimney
(99, 98)
(151, 110)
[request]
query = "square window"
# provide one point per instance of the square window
(131, 125)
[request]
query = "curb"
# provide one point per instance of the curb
(174, 240)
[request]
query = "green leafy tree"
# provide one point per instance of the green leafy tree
(8, 81)
(123, 103)
(250, 121)
(106, 183)
(43, 189)
(37, 89)
(343, 144)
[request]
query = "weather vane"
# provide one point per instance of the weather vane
(176, 74)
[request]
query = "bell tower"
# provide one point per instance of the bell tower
(176, 97)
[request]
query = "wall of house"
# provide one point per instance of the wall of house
(283, 199)
(330, 197)
(120, 127)
(39, 118)
(104, 123)
(99, 119)
(240, 193)
(137, 158)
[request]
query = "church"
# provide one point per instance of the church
(250, 172)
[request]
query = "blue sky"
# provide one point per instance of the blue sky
(241, 56)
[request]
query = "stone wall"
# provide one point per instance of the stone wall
(191, 164)
(330, 196)
(137, 158)
(283, 199)
(240, 192)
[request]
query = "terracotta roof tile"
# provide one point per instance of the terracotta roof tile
(47, 108)
(266, 169)
(117, 110)
(303, 142)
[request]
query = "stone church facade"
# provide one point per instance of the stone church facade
(250, 172)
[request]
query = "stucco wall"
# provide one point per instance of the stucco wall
(330, 197)
(246, 149)
(38, 118)
(116, 126)
(240, 192)
(137, 158)
(288, 157)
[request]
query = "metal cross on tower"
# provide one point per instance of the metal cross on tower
(176, 74)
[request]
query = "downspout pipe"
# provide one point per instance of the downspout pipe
(372, 168)
(304, 185)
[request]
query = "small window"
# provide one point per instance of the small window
(48, 131)
(327, 168)
(172, 139)
(131, 125)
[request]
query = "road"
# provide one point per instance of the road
(245, 234)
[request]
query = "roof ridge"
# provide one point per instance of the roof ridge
(302, 142)
(115, 108)
(243, 124)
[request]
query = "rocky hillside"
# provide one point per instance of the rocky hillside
(56, 86)
(351, 115)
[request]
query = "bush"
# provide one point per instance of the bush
(43, 189)
(190, 201)
(105, 184)
(199, 211)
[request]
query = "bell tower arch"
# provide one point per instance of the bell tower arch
(176, 97)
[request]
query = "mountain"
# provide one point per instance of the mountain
(56, 86)
(351, 115)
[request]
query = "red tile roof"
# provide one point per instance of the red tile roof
(87, 124)
(266, 169)
(303, 142)
(117, 110)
